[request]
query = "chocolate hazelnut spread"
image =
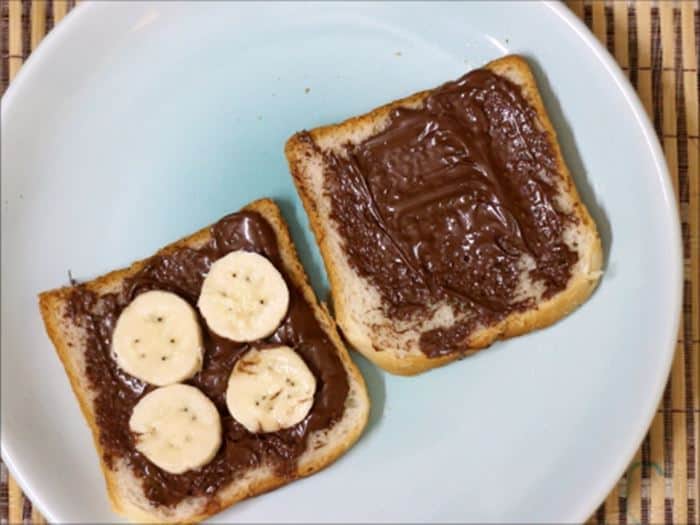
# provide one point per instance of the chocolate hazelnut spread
(452, 202)
(182, 271)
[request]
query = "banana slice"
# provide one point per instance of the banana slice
(178, 428)
(157, 339)
(244, 297)
(270, 389)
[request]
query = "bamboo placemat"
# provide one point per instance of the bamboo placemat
(657, 45)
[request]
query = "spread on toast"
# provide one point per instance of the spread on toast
(454, 201)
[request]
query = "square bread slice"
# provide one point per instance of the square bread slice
(394, 342)
(126, 490)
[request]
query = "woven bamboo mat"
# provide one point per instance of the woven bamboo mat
(657, 45)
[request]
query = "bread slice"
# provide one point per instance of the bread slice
(393, 344)
(125, 489)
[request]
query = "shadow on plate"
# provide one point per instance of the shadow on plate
(375, 380)
(307, 252)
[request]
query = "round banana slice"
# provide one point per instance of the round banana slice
(270, 389)
(178, 428)
(244, 297)
(157, 339)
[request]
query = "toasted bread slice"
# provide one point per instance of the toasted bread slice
(393, 344)
(126, 491)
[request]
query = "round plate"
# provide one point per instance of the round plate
(136, 123)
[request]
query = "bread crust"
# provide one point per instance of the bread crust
(580, 287)
(66, 339)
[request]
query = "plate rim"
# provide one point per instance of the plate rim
(604, 483)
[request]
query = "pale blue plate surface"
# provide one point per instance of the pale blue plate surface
(136, 123)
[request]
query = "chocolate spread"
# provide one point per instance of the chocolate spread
(449, 201)
(182, 271)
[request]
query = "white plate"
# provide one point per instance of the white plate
(135, 123)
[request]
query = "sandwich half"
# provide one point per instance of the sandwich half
(447, 219)
(202, 387)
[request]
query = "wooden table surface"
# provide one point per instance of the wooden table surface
(656, 43)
